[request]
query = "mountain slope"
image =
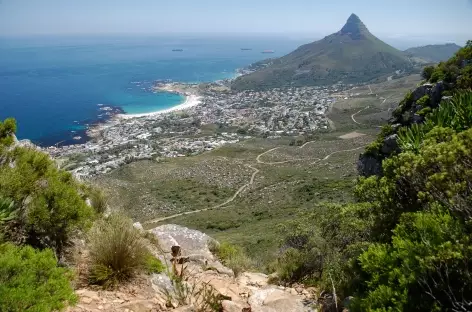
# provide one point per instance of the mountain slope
(352, 55)
(434, 53)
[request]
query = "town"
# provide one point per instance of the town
(221, 117)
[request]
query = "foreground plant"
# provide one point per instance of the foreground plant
(31, 281)
(118, 251)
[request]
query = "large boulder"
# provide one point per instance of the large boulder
(191, 242)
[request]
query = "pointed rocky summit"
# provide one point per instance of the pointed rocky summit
(351, 55)
(354, 27)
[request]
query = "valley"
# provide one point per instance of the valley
(242, 192)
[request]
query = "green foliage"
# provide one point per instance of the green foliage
(8, 211)
(7, 131)
(233, 257)
(48, 199)
(117, 251)
(428, 72)
(153, 265)
(31, 281)
(411, 138)
(426, 268)
(424, 101)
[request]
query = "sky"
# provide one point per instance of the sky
(427, 20)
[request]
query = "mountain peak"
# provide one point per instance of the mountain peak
(354, 27)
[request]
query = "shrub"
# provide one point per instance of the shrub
(426, 268)
(98, 200)
(234, 258)
(427, 72)
(31, 281)
(117, 251)
(153, 265)
(51, 206)
(7, 131)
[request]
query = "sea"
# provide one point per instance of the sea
(57, 86)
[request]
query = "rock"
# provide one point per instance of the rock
(347, 301)
(275, 300)
(162, 284)
(138, 226)
(252, 279)
(138, 306)
(230, 306)
(436, 94)
(421, 91)
(192, 242)
(86, 300)
(369, 165)
(390, 144)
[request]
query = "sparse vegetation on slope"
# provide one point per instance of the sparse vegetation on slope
(351, 55)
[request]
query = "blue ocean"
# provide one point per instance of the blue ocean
(57, 86)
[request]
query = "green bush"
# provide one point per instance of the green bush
(426, 268)
(117, 251)
(31, 281)
(7, 131)
(49, 202)
(424, 101)
(427, 72)
(234, 258)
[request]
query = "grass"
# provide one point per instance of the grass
(118, 251)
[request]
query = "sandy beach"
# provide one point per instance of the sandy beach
(190, 101)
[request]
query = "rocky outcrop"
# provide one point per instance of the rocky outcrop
(370, 162)
(204, 278)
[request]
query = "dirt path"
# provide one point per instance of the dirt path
(251, 181)
(352, 116)
(242, 188)
(337, 152)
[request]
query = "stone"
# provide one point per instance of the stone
(369, 165)
(162, 284)
(275, 300)
(190, 241)
(230, 306)
(253, 279)
(436, 94)
(86, 300)
(390, 144)
(139, 226)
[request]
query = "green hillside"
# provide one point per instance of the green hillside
(351, 55)
(434, 53)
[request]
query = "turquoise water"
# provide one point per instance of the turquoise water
(57, 86)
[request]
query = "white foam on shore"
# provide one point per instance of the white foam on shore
(190, 101)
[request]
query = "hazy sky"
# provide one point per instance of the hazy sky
(434, 19)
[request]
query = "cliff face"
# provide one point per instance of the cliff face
(409, 112)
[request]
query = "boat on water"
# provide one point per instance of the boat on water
(246, 49)
(177, 50)
(268, 51)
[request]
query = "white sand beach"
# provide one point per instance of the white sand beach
(190, 101)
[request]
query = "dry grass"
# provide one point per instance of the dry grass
(117, 251)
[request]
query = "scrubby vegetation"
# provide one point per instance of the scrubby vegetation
(405, 244)
(233, 257)
(31, 281)
(118, 251)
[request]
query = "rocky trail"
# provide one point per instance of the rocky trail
(204, 279)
